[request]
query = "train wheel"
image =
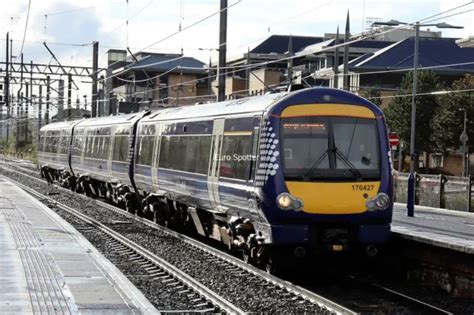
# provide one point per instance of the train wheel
(246, 256)
(270, 267)
(130, 206)
(162, 212)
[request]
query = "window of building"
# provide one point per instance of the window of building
(436, 160)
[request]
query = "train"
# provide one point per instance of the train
(281, 175)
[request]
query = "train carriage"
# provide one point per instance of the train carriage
(54, 149)
(102, 154)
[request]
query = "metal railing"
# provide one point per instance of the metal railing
(438, 191)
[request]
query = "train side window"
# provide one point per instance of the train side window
(120, 148)
(98, 144)
(192, 145)
(236, 157)
(164, 152)
(78, 145)
(94, 141)
(106, 148)
(178, 149)
(54, 144)
(202, 154)
(89, 142)
(47, 143)
(145, 151)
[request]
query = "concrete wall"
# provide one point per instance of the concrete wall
(262, 78)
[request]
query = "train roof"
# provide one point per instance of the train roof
(256, 104)
(60, 125)
(111, 120)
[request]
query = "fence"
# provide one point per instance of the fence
(438, 191)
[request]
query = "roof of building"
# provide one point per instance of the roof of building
(326, 46)
(279, 44)
(167, 62)
(432, 52)
(367, 43)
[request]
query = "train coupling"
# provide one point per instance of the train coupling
(371, 250)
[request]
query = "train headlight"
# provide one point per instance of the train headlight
(379, 202)
(285, 201)
(382, 201)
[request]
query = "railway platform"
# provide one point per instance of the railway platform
(443, 228)
(46, 266)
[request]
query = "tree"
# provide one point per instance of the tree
(448, 121)
(398, 112)
(372, 94)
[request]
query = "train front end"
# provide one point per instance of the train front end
(325, 172)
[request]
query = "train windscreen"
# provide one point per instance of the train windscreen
(330, 148)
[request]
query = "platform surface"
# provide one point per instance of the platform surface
(47, 267)
(440, 227)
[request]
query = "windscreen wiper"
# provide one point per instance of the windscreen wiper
(348, 163)
(306, 176)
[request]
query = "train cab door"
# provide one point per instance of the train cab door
(214, 165)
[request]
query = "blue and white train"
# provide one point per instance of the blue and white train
(300, 172)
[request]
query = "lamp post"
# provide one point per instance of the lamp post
(411, 178)
(464, 138)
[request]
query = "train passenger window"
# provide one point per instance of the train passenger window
(105, 148)
(202, 154)
(178, 151)
(47, 143)
(63, 144)
(89, 141)
(98, 147)
(145, 150)
(120, 148)
(91, 146)
(78, 145)
(236, 157)
(164, 160)
(54, 144)
(192, 144)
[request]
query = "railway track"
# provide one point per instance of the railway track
(371, 297)
(241, 286)
(198, 297)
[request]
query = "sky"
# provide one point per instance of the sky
(70, 26)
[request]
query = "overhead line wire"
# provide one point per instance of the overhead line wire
(26, 26)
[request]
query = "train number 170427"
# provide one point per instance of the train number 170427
(362, 187)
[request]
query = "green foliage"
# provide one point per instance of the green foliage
(25, 150)
(398, 113)
(448, 121)
(373, 95)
